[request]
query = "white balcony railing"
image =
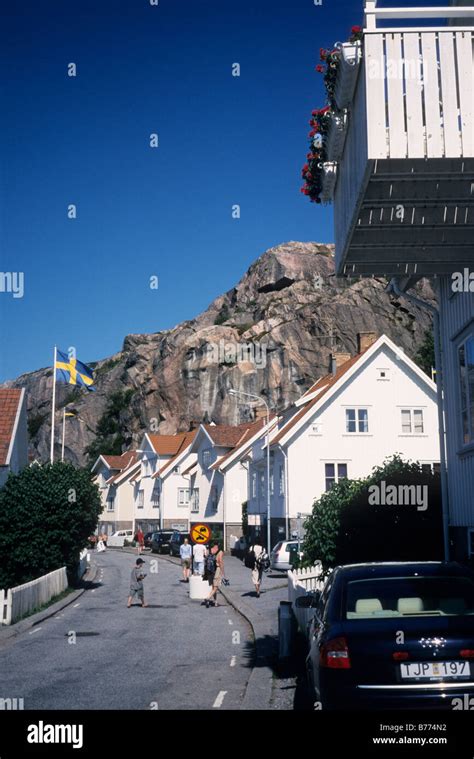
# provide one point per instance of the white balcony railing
(413, 99)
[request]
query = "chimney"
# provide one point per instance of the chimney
(260, 413)
(365, 340)
(337, 360)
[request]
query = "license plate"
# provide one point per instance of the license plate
(429, 670)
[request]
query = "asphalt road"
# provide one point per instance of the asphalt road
(175, 654)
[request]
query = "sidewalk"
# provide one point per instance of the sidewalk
(262, 613)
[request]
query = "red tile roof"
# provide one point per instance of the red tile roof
(167, 445)
(226, 436)
(247, 435)
(186, 440)
(9, 405)
(119, 462)
(131, 461)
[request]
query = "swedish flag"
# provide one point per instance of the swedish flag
(73, 372)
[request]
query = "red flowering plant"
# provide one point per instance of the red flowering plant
(313, 170)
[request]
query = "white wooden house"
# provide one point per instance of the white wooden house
(217, 481)
(368, 408)
(13, 432)
(113, 476)
(403, 190)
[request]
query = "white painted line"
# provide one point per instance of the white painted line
(232, 661)
(76, 605)
(93, 591)
(35, 631)
(218, 702)
(230, 621)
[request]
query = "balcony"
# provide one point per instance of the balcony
(403, 188)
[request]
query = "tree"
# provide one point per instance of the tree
(46, 515)
(109, 439)
(357, 521)
(425, 356)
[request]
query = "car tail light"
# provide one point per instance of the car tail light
(400, 655)
(467, 653)
(335, 654)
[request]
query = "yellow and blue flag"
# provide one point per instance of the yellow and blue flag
(73, 372)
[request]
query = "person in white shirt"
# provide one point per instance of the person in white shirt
(199, 554)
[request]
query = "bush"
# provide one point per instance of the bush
(47, 514)
(347, 526)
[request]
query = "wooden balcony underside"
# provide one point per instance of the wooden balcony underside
(413, 216)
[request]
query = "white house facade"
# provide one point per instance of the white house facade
(372, 406)
(113, 477)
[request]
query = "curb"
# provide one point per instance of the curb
(12, 631)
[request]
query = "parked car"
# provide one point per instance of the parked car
(393, 635)
(127, 534)
(161, 541)
(283, 555)
(176, 541)
(147, 538)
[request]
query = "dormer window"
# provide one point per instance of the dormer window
(206, 458)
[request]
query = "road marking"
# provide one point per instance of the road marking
(35, 631)
(93, 591)
(218, 702)
(230, 621)
(76, 605)
(232, 661)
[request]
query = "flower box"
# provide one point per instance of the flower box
(329, 181)
(351, 55)
(336, 136)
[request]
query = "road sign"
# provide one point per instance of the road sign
(200, 533)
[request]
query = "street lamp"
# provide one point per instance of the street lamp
(262, 400)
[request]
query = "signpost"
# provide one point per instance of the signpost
(200, 533)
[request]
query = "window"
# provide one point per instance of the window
(254, 485)
(383, 375)
(412, 421)
(334, 473)
(281, 481)
(466, 379)
(147, 467)
(176, 470)
(141, 499)
(261, 485)
(206, 458)
(357, 420)
(195, 500)
(214, 497)
(183, 496)
(271, 482)
(111, 503)
(155, 497)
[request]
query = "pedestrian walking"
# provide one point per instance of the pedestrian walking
(104, 537)
(140, 538)
(259, 558)
(199, 555)
(185, 553)
(136, 583)
(215, 573)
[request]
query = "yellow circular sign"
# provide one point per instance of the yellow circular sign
(200, 533)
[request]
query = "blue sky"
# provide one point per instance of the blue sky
(144, 212)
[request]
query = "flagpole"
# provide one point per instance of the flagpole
(54, 406)
(64, 433)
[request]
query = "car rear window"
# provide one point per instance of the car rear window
(409, 597)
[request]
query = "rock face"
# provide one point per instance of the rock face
(272, 334)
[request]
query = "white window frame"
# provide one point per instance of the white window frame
(413, 411)
(281, 480)
(111, 503)
(141, 499)
(195, 501)
(183, 497)
(357, 421)
(337, 477)
(253, 492)
(206, 458)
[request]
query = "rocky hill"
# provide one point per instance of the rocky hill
(271, 334)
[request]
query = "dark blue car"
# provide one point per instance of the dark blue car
(394, 635)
